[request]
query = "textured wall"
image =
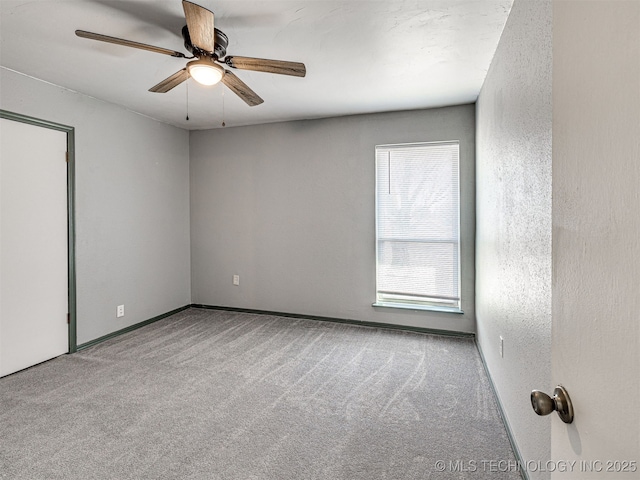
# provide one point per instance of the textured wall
(513, 249)
(290, 207)
(132, 205)
(596, 230)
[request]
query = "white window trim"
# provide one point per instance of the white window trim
(407, 304)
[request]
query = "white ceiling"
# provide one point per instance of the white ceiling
(362, 56)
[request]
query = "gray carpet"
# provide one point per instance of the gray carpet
(207, 394)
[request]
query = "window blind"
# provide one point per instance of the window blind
(418, 224)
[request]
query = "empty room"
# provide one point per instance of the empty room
(317, 239)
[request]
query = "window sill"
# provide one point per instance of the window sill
(408, 306)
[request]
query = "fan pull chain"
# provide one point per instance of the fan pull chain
(223, 124)
(187, 85)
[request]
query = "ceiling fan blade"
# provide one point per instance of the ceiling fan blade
(241, 89)
(128, 43)
(280, 67)
(173, 81)
(200, 25)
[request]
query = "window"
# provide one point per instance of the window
(418, 226)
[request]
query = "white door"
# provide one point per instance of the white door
(33, 245)
(596, 237)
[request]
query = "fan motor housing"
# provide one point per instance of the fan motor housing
(221, 42)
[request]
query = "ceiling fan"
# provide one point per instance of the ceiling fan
(208, 45)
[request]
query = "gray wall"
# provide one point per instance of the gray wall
(513, 242)
(132, 195)
(290, 208)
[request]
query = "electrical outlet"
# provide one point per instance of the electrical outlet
(236, 279)
(120, 311)
(501, 347)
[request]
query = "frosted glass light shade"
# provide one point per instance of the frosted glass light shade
(205, 72)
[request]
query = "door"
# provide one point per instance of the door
(33, 245)
(596, 237)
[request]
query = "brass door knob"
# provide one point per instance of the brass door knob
(543, 404)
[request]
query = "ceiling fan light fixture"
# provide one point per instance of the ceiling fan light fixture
(205, 72)
(209, 46)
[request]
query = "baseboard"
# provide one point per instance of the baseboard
(503, 415)
(391, 326)
(130, 328)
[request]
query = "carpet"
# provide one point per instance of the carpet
(209, 394)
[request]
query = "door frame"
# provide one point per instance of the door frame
(71, 233)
